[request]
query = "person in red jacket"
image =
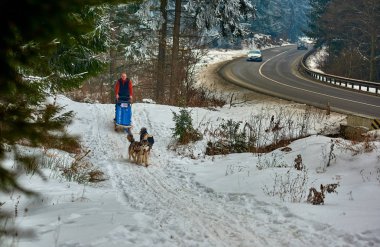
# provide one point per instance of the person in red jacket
(123, 88)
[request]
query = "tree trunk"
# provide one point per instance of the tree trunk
(373, 25)
(174, 83)
(372, 58)
(160, 81)
(113, 54)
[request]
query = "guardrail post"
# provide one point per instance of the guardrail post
(328, 109)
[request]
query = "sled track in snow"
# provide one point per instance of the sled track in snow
(172, 205)
(173, 202)
(201, 217)
(232, 222)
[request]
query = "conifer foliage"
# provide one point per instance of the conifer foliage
(184, 131)
(281, 18)
(45, 48)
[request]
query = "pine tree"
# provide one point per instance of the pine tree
(281, 18)
(194, 19)
(45, 48)
(166, 45)
(184, 131)
(224, 19)
(315, 31)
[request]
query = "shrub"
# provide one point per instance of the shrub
(184, 131)
(298, 164)
(290, 186)
(263, 132)
(202, 97)
(355, 147)
(232, 138)
(274, 161)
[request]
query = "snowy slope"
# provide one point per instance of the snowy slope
(208, 201)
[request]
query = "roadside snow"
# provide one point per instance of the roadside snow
(313, 62)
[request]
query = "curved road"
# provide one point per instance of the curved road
(277, 75)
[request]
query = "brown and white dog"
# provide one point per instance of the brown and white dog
(147, 142)
(133, 149)
(144, 152)
(138, 151)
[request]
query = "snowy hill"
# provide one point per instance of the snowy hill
(198, 200)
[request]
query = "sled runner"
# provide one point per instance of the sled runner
(123, 115)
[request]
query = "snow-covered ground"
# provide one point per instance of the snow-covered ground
(185, 198)
(317, 58)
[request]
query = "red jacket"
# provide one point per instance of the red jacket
(117, 86)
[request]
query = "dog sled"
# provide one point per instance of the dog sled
(123, 115)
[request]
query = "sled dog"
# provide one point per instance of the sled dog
(134, 149)
(138, 152)
(147, 141)
(145, 151)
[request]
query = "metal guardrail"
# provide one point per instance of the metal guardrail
(367, 86)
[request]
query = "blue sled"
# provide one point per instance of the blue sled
(123, 114)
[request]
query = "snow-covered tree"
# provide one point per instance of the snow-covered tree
(314, 30)
(281, 18)
(45, 48)
(224, 17)
(163, 32)
(221, 21)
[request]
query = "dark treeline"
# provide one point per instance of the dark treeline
(350, 30)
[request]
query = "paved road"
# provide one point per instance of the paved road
(277, 75)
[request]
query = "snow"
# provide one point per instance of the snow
(186, 198)
(315, 59)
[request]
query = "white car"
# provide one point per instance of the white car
(255, 55)
(301, 46)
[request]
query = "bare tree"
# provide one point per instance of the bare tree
(367, 16)
(161, 63)
(112, 50)
(352, 32)
(174, 84)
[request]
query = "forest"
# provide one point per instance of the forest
(350, 32)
